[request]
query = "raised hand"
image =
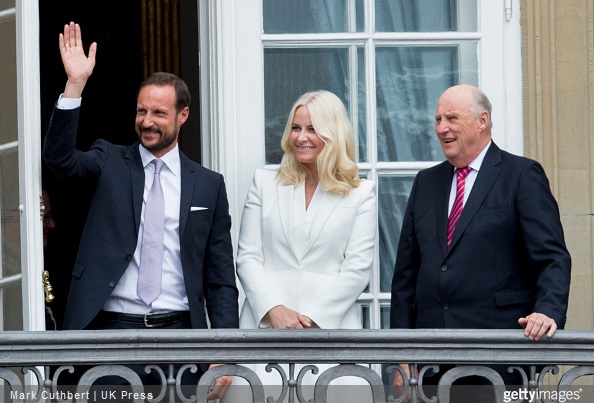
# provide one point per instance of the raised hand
(77, 65)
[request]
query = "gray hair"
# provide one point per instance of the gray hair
(482, 104)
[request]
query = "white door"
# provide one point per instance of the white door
(388, 60)
(21, 244)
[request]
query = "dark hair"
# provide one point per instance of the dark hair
(161, 79)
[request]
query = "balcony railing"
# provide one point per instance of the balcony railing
(45, 357)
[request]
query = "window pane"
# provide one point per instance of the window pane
(365, 315)
(4, 4)
(290, 72)
(425, 15)
(10, 234)
(11, 307)
(393, 192)
(384, 316)
(360, 126)
(312, 16)
(409, 82)
(8, 81)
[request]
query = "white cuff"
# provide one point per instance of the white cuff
(68, 103)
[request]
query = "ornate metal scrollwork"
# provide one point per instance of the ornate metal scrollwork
(15, 384)
(413, 387)
(358, 371)
(233, 370)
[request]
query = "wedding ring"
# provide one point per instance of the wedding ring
(67, 44)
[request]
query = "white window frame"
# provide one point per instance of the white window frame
(29, 127)
(233, 89)
(26, 16)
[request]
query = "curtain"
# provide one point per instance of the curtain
(160, 36)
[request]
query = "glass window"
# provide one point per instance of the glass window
(409, 80)
(312, 16)
(12, 313)
(8, 82)
(291, 72)
(4, 4)
(393, 192)
(425, 15)
(10, 234)
(384, 316)
(365, 315)
(389, 75)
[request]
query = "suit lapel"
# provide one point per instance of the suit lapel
(134, 162)
(487, 174)
(188, 181)
(286, 206)
(285, 195)
(326, 206)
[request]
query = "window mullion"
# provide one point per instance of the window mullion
(372, 145)
(353, 91)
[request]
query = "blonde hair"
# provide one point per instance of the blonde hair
(337, 170)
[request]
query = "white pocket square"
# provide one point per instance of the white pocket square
(198, 208)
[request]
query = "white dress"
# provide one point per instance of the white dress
(316, 261)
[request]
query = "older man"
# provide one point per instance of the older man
(482, 246)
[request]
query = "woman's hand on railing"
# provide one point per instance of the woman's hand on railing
(282, 317)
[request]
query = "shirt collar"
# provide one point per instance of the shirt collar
(171, 159)
(478, 161)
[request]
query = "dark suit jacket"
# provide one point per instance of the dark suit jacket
(110, 235)
(507, 258)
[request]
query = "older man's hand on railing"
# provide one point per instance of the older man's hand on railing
(536, 325)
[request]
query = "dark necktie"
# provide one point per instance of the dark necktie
(458, 202)
(151, 250)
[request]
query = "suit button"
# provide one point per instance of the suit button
(128, 257)
(444, 267)
(112, 284)
(446, 306)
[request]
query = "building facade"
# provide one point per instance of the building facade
(388, 60)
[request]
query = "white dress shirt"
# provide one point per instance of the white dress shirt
(470, 178)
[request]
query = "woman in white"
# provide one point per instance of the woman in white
(307, 234)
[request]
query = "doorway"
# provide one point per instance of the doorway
(130, 36)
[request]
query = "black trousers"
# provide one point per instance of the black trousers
(115, 385)
(152, 378)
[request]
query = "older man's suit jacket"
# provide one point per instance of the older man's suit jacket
(507, 258)
(110, 234)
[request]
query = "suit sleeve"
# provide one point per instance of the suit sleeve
(60, 154)
(331, 303)
(544, 241)
(406, 269)
(250, 255)
(220, 289)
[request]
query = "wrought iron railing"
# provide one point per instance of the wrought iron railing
(46, 357)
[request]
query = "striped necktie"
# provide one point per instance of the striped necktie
(461, 174)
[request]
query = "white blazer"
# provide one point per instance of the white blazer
(318, 272)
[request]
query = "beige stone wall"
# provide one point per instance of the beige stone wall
(558, 97)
